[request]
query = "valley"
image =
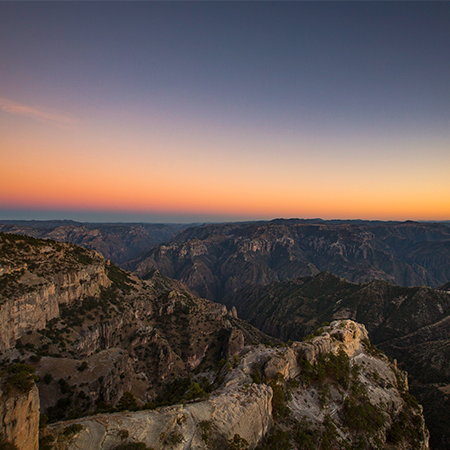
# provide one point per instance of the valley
(104, 341)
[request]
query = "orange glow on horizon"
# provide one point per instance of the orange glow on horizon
(82, 170)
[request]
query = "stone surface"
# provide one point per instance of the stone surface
(43, 276)
(19, 418)
(217, 260)
(242, 407)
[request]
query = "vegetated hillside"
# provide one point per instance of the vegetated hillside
(117, 242)
(411, 324)
(335, 391)
(94, 331)
(104, 341)
(217, 260)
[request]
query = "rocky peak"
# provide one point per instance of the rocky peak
(262, 382)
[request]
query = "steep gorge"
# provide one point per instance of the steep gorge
(218, 260)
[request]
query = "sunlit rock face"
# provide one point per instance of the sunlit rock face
(241, 406)
(38, 278)
(218, 260)
(19, 418)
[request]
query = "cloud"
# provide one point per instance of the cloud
(11, 107)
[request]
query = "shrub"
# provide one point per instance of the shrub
(48, 378)
(306, 436)
(237, 443)
(72, 430)
(43, 420)
(46, 442)
(132, 446)
(194, 391)
(149, 405)
(64, 386)
(256, 374)
(278, 439)
(361, 415)
(83, 366)
(206, 429)
(20, 378)
(123, 434)
(127, 402)
(173, 438)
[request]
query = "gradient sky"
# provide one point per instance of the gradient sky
(203, 111)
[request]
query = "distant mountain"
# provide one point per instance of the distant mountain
(116, 241)
(217, 260)
(410, 324)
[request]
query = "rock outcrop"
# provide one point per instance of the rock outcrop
(201, 425)
(19, 418)
(116, 242)
(217, 260)
(410, 324)
(241, 406)
(39, 277)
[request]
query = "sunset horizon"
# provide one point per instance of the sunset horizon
(224, 111)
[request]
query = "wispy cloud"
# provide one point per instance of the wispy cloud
(11, 107)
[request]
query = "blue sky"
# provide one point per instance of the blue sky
(232, 110)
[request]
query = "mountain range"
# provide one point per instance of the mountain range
(217, 260)
(159, 366)
(410, 324)
(103, 333)
(115, 241)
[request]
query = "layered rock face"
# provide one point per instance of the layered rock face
(40, 276)
(117, 242)
(240, 406)
(410, 324)
(65, 309)
(217, 260)
(19, 418)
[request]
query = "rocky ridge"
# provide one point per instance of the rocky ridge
(410, 324)
(94, 332)
(116, 242)
(271, 393)
(217, 260)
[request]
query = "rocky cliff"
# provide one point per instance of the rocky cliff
(116, 242)
(265, 390)
(19, 417)
(37, 277)
(119, 342)
(94, 332)
(410, 324)
(217, 260)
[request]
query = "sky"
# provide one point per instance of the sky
(223, 111)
